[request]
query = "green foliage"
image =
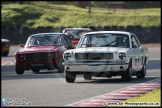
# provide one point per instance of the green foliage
(41, 13)
(153, 96)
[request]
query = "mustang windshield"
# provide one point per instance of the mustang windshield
(44, 39)
(104, 40)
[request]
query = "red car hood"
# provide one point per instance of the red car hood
(38, 49)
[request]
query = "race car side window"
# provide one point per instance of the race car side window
(30, 41)
(134, 42)
(85, 42)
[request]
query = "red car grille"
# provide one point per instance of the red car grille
(37, 55)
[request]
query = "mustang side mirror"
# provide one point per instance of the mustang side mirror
(141, 48)
(22, 45)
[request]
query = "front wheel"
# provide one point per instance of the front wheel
(69, 76)
(127, 75)
(18, 69)
(35, 71)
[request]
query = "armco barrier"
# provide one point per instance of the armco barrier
(99, 28)
(93, 28)
(19, 35)
(130, 29)
(121, 28)
(115, 28)
(107, 28)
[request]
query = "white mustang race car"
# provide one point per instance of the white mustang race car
(106, 54)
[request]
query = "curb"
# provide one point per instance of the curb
(119, 95)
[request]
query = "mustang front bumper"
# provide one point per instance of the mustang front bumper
(95, 66)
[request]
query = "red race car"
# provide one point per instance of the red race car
(42, 51)
(75, 33)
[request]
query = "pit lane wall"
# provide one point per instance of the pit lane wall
(18, 35)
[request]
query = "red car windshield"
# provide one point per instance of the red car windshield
(43, 40)
(76, 34)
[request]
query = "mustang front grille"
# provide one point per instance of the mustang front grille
(93, 56)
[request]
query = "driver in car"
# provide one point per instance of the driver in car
(40, 41)
(119, 42)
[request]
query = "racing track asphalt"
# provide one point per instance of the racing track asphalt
(93, 91)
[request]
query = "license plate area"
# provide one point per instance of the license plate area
(37, 65)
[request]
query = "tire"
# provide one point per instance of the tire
(60, 66)
(87, 76)
(18, 69)
(5, 53)
(127, 75)
(142, 73)
(70, 76)
(36, 71)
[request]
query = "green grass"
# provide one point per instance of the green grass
(44, 14)
(152, 97)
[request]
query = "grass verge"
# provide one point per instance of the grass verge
(34, 15)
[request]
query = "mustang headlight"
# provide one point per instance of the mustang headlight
(67, 56)
(122, 56)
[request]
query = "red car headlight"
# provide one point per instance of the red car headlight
(50, 55)
(21, 57)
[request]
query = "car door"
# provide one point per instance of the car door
(138, 54)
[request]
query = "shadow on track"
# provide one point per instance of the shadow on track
(115, 80)
(8, 73)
